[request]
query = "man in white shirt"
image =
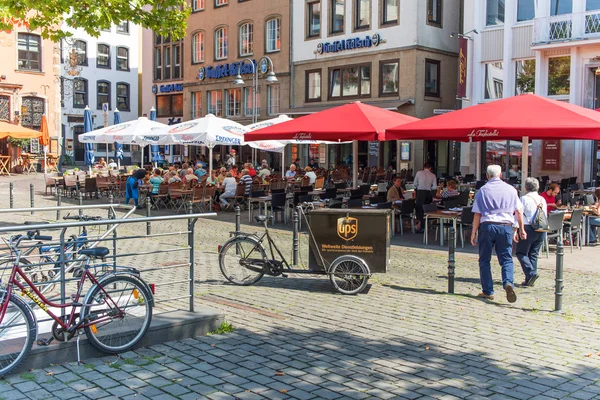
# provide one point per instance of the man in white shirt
(425, 182)
(528, 249)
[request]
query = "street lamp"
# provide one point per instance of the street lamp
(271, 78)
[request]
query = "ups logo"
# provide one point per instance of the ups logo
(347, 228)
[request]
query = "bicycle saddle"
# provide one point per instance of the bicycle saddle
(98, 252)
(260, 218)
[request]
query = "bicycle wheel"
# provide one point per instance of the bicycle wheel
(237, 255)
(17, 333)
(349, 275)
(121, 305)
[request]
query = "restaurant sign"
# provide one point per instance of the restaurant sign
(350, 44)
(232, 69)
(462, 67)
(551, 155)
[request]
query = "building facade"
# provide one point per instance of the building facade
(28, 84)
(224, 38)
(398, 55)
(99, 72)
(547, 47)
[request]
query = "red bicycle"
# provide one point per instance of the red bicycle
(114, 313)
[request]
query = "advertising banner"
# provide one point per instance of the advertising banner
(462, 67)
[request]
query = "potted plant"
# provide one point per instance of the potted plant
(19, 144)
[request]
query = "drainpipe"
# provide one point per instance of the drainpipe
(291, 53)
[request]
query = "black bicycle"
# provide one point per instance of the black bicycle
(243, 261)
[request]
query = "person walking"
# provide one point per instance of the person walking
(528, 249)
(496, 206)
(132, 190)
(425, 182)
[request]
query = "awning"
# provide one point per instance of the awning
(392, 105)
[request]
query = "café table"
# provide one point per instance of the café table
(441, 215)
(184, 195)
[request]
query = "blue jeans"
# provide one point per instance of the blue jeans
(593, 223)
(528, 251)
(498, 238)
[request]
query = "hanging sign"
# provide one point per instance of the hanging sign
(551, 155)
(462, 67)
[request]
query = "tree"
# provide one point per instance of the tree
(162, 16)
(526, 76)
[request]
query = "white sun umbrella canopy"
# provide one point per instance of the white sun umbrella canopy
(142, 132)
(208, 131)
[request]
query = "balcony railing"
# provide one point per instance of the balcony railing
(567, 27)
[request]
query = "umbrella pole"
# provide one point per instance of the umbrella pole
(142, 157)
(283, 163)
(525, 162)
(45, 161)
(354, 163)
(210, 165)
(478, 162)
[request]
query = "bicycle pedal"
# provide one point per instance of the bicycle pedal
(44, 342)
(284, 275)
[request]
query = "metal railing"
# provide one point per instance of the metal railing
(567, 27)
(55, 266)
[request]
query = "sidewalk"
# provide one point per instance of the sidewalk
(406, 338)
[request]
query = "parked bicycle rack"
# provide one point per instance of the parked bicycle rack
(56, 261)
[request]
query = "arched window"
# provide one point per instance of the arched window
(102, 94)
(122, 59)
(80, 48)
(123, 97)
(80, 93)
(103, 56)
(221, 48)
(246, 39)
(273, 35)
(198, 47)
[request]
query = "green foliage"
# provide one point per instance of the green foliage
(559, 73)
(225, 327)
(526, 77)
(18, 142)
(162, 16)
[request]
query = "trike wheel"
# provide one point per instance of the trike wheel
(349, 274)
(241, 259)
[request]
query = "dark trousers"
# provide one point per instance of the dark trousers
(423, 197)
(528, 251)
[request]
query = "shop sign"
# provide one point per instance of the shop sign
(551, 155)
(462, 67)
(374, 149)
(230, 69)
(350, 44)
(175, 87)
(483, 133)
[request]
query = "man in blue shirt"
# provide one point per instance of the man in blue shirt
(200, 171)
(496, 206)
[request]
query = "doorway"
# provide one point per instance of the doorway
(78, 147)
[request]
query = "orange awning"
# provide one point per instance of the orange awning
(17, 131)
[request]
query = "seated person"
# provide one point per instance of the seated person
(190, 176)
(312, 177)
(230, 186)
(112, 164)
(156, 180)
(200, 171)
(291, 173)
(396, 192)
(447, 192)
(264, 171)
(222, 175)
(174, 177)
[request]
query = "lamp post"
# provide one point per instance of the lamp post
(264, 63)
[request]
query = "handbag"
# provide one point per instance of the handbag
(539, 222)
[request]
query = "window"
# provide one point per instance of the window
(198, 48)
(30, 52)
(80, 93)
(494, 12)
(158, 64)
(559, 71)
(215, 102)
(313, 85)
(177, 69)
(103, 56)
(123, 27)
(197, 5)
(233, 102)
(362, 12)
(350, 81)
(525, 76)
(219, 3)
(592, 5)
(273, 99)
(5, 108)
(388, 77)
(248, 109)
(122, 59)
(32, 109)
(559, 7)
(196, 105)
(337, 16)
(273, 35)
(434, 12)
(102, 94)
(314, 19)
(432, 78)
(525, 10)
(170, 105)
(494, 81)
(221, 43)
(246, 39)
(389, 12)
(80, 48)
(123, 96)
(167, 63)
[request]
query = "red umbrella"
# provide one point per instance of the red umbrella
(512, 118)
(354, 121)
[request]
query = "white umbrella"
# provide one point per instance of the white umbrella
(207, 131)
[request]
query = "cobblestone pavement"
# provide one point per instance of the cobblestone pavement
(295, 338)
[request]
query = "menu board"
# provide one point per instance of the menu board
(551, 155)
